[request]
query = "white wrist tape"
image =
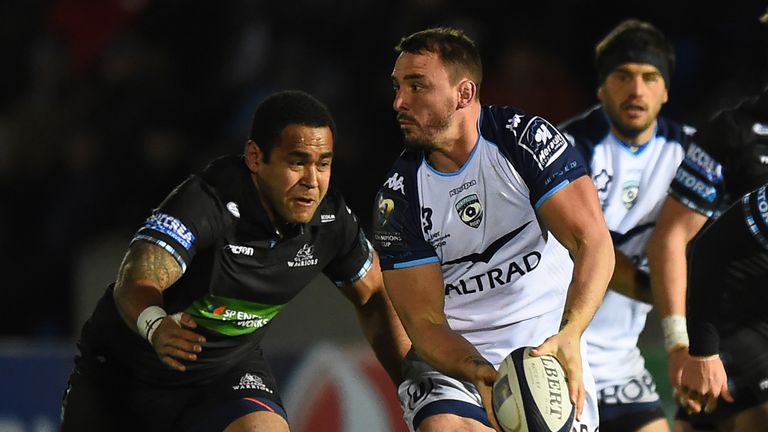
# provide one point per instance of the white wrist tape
(675, 332)
(148, 321)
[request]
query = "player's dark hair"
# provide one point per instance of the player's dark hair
(453, 47)
(634, 41)
(285, 108)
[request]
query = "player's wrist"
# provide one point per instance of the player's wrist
(149, 320)
(705, 358)
(675, 333)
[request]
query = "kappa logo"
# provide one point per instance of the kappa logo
(396, 183)
(470, 210)
(251, 382)
(513, 123)
(304, 257)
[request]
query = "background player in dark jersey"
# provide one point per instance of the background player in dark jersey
(476, 222)
(632, 154)
(729, 158)
(174, 343)
(727, 298)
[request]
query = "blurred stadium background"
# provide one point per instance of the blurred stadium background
(105, 105)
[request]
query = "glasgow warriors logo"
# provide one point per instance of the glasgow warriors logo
(470, 210)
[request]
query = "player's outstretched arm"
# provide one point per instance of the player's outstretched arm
(417, 294)
(146, 271)
(676, 226)
(378, 320)
(573, 215)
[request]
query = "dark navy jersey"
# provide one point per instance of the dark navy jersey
(238, 271)
(729, 158)
(500, 265)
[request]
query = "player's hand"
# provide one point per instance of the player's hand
(566, 347)
(174, 340)
(703, 381)
(675, 361)
(483, 378)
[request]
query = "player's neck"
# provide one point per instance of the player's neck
(456, 147)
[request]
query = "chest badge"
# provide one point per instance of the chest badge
(629, 192)
(304, 257)
(470, 210)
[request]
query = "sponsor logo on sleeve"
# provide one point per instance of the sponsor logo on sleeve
(384, 210)
(698, 187)
(698, 159)
(172, 227)
(543, 142)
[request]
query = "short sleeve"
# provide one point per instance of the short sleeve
(185, 222)
(355, 255)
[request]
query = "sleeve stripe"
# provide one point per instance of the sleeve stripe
(552, 191)
(417, 262)
(168, 248)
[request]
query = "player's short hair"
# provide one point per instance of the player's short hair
(285, 108)
(634, 41)
(453, 46)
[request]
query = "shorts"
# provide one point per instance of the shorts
(629, 405)
(102, 397)
(426, 392)
(745, 356)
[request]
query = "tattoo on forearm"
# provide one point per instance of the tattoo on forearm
(146, 261)
(478, 361)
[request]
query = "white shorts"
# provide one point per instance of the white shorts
(427, 392)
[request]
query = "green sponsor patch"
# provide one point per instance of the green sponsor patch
(231, 317)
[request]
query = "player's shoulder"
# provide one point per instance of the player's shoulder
(402, 175)
(674, 131)
(591, 125)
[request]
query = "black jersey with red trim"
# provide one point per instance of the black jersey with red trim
(728, 159)
(239, 271)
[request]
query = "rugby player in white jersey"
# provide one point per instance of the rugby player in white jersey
(632, 155)
(475, 224)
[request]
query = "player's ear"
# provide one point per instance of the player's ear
(467, 93)
(600, 91)
(253, 156)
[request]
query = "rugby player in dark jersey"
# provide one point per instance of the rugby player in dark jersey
(727, 298)
(174, 343)
(728, 159)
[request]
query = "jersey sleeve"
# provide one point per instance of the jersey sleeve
(398, 223)
(547, 161)
(355, 255)
(185, 222)
(699, 181)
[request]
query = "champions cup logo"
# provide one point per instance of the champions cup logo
(385, 208)
(470, 210)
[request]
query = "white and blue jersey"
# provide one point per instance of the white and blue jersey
(500, 266)
(632, 183)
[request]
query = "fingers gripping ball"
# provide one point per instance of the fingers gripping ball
(531, 394)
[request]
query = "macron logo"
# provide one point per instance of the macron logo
(396, 183)
(239, 250)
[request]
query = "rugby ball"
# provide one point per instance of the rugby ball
(531, 394)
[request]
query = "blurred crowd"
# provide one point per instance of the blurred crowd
(105, 105)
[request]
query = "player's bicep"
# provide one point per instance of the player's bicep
(678, 220)
(148, 264)
(573, 214)
(417, 293)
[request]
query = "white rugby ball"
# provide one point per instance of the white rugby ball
(531, 394)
